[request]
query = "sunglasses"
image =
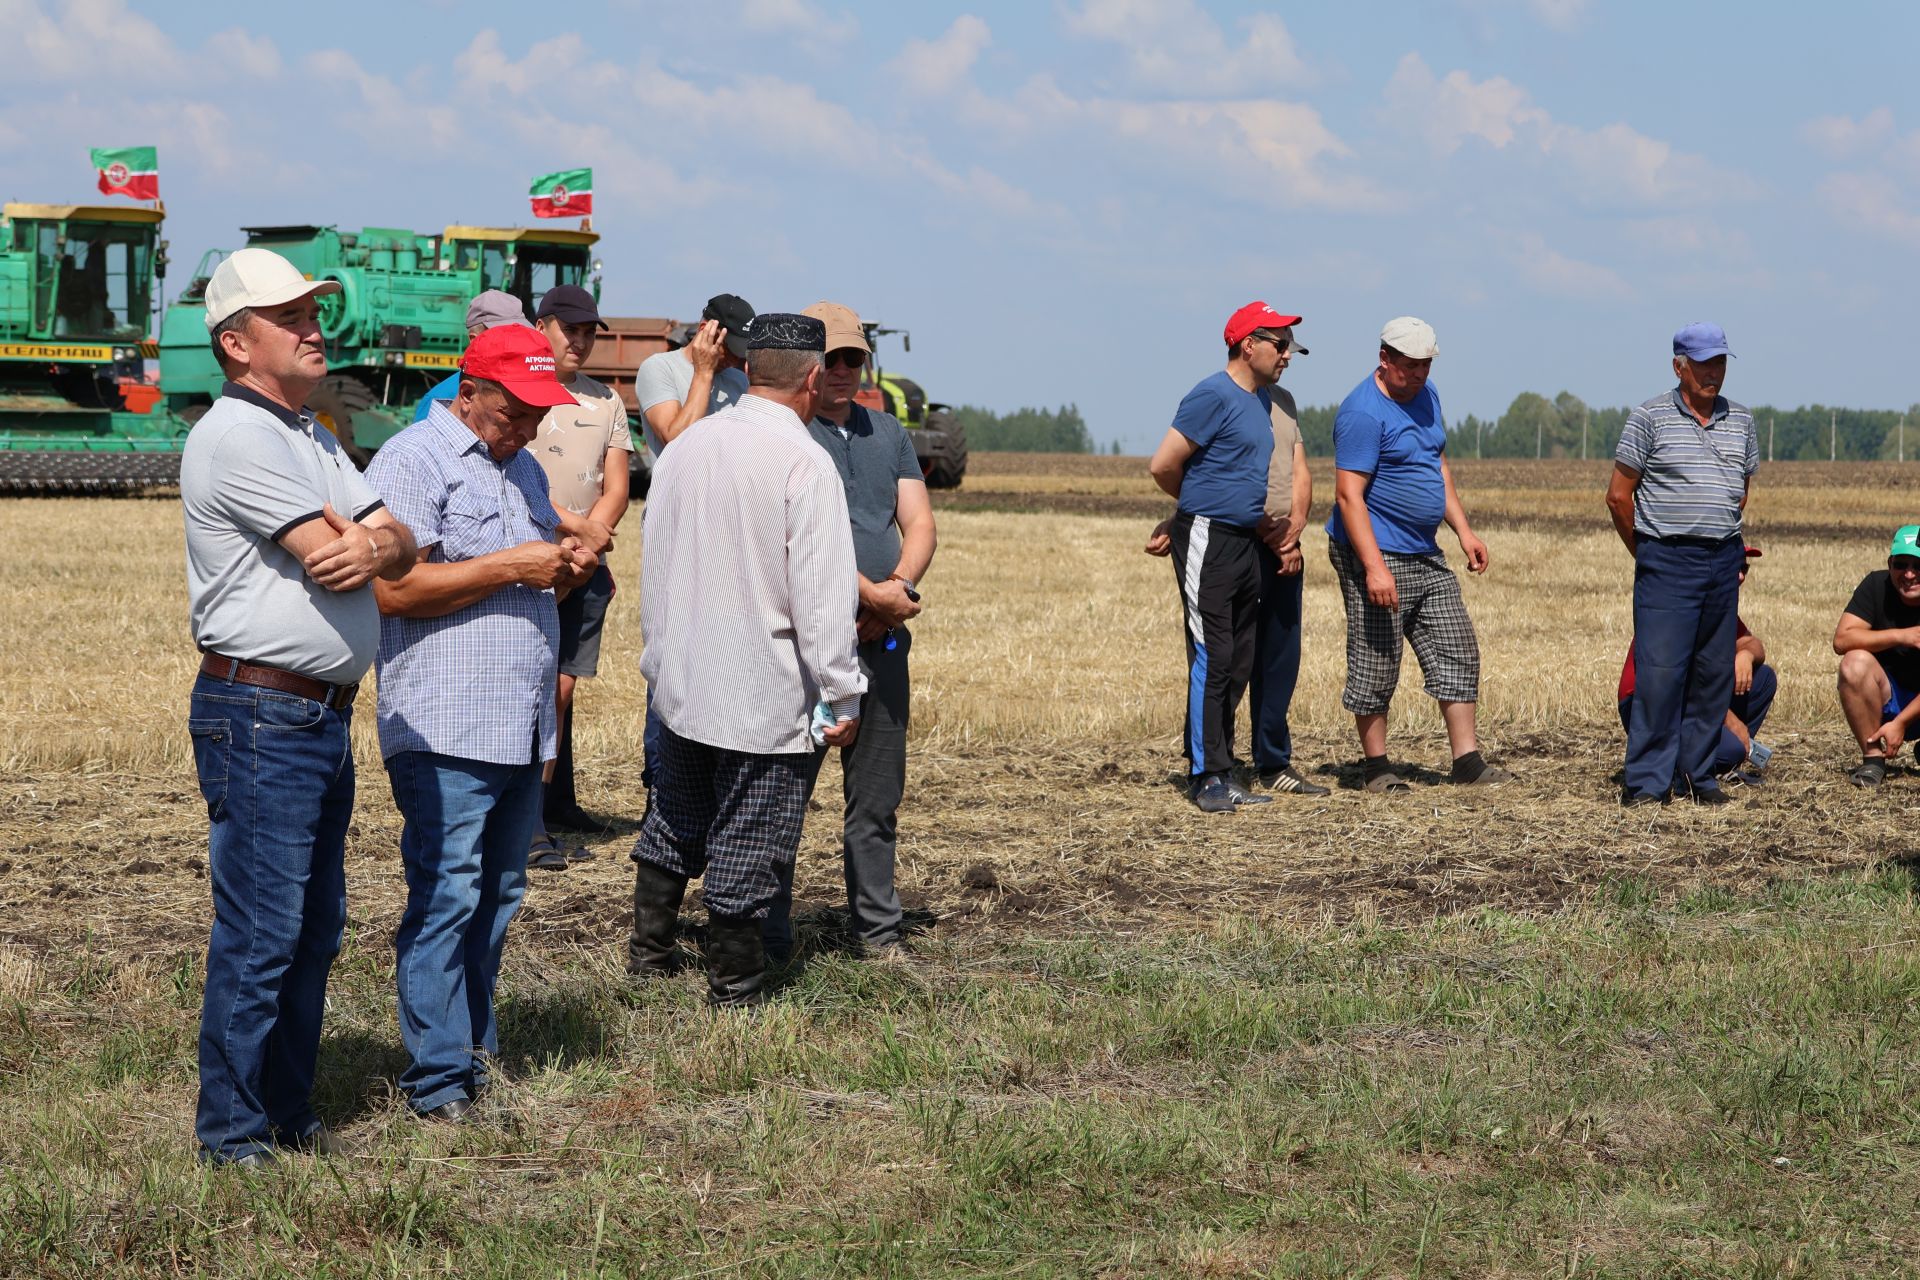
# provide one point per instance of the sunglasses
(847, 357)
(1904, 565)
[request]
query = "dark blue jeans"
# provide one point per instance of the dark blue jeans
(1276, 662)
(1751, 707)
(277, 775)
(468, 825)
(650, 745)
(1685, 595)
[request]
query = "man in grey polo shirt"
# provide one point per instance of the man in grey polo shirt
(1680, 479)
(893, 542)
(467, 716)
(283, 536)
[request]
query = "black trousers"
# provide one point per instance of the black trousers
(1218, 572)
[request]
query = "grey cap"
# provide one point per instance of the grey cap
(496, 306)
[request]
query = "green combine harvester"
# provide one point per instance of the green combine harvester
(77, 413)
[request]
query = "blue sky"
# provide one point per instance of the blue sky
(1064, 201)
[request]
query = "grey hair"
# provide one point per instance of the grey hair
(235, 323)
(781, 369)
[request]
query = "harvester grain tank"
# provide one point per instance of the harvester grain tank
(76, 301)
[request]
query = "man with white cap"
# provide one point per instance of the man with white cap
(1392, 490)
(488, 308)
(283, 538)
(468, 640)
(1681, 473)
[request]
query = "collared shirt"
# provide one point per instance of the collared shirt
(478, 682)
(1692, 478)
(748, 590)
(873, 454)
(253, 470)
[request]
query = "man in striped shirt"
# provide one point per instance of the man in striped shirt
(1680, 480)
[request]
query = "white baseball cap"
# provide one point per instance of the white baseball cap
(1411, 338)
(257, 278)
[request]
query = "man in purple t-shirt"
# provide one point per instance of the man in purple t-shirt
(1393, 489)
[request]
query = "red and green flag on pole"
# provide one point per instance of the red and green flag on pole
(567, 194)
(128, 171)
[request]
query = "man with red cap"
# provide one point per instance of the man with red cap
(468, 644)
(1214, 463)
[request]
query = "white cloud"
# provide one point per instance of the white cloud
(1554, 273)
(1561, 15)
(1871, 202)
(942, 64)
(1843, 136)
(234, 50)
(1174, 45)
(97, 38)
(1612, 164)
(1880, 192)
(801, 18)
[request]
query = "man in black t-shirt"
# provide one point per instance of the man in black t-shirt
(1878, 641)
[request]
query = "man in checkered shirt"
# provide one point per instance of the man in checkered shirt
(468, 644)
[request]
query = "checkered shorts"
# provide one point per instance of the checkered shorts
(1432, 618)
(727, 816)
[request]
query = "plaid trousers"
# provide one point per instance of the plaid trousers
(1432, 618)
(729, 817)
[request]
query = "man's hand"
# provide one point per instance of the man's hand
(867, 626)
(1381, 589)
(1742, 672)
(1160, 541)
(1292, 561)
(1476, 550)
(842, 733)
(1891, 735)
(1274, 533)
(544, 565)
(593, 535)
(707, 348)
(888, 602)
(350, 560)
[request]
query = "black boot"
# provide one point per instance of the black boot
(652, 949)
(736, 962)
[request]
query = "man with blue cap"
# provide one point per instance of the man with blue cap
(1680, 480)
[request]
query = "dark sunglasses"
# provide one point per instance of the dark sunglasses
(1903, 564)
(847, 357)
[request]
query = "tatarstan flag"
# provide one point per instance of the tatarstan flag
(129, 171)
(567, 194)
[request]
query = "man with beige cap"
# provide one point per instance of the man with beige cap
(283, 538)
(1392, 489)
(893, 542)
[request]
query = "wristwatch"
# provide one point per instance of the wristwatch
(913, 593)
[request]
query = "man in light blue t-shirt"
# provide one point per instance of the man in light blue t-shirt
(1393, 489)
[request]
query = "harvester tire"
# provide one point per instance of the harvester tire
(946, 465)
(334, 402)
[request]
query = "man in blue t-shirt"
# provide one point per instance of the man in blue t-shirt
(1392, 489)
(1214, 462)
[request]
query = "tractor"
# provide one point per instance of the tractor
(398, 324)
(76, 300)
(939, 439)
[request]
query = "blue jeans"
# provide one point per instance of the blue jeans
(1276, 661)
(1750, 707)
(468, 825)
(650, 745)
(1684, 599)
(277, 775)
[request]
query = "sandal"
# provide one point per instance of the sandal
(1871, 773)
(545, 855)
(1388, 781)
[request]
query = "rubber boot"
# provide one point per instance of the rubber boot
(736, 962)
(652, 948)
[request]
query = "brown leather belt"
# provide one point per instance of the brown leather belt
(337, 696)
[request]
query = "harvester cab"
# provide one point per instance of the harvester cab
(76, 300)
(939, 439)
(524, 261)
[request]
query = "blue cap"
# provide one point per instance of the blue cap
(1701, 341)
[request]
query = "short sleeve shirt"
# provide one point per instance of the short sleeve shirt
(1692, 478)
(572, 444)
(1398, 447)
(476, 683)
(1286, 434)
(873, 454)
(1231, 430)
(668, 376)
(253, 470)
(1877, 604)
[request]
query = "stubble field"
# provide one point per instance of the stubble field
(1516, 1032)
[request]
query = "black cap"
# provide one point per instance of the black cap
(735, 316)
(784, 331)
(569, 304)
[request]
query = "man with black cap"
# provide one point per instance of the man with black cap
(467, 719)
(583, 448)
(678, 388)
(1681, 474)
(747, 624)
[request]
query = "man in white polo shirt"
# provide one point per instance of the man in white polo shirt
(283, 538)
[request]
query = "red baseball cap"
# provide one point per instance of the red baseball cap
(519, 359)
(1255, 315)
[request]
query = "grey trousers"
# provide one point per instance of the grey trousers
(874, 773)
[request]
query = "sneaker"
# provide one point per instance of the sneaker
(1243, 796)
(1736, 779)
(1871, 773)
(1388, 781)
(1290, 781)
(1212, 796)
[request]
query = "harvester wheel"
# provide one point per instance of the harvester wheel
(946, 465)
(334, 402)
